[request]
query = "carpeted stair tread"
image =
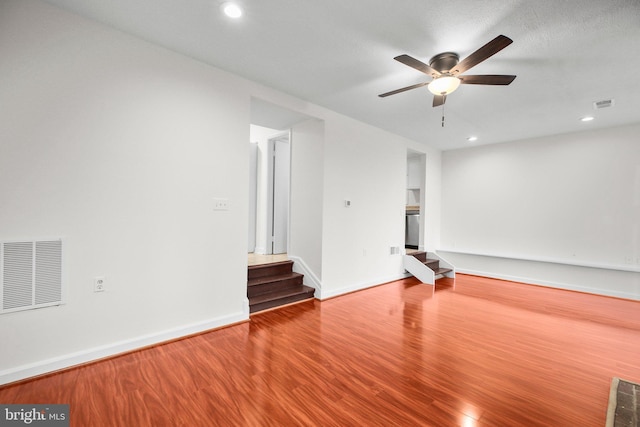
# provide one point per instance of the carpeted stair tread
(432, 263)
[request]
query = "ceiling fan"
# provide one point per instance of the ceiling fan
(445, 69)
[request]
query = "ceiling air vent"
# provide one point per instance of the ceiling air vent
(605, 103)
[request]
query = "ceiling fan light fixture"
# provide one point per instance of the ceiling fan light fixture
(232, 10)
(444, 85)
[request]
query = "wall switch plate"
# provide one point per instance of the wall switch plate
(98, 284)
(220, 204)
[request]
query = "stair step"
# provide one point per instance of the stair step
(262, 285)
(270, 279)
(420, 255)
(433, 264)
(274, 299)
(442, 271)
(272, 269)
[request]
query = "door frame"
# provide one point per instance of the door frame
(275, 211)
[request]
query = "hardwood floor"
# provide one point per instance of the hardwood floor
(472, 352)
(255, 259)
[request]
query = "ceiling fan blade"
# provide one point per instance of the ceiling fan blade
(418, 65)
(486, 51)
(487, 79)
(404, 89)
(438, 100)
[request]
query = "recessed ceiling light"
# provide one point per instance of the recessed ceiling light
(586, 119)
(472, 138)
(232, 10)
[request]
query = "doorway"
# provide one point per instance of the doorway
(278, 201)
(415, 201)
(270, 166)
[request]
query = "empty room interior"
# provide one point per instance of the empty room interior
(320, 213)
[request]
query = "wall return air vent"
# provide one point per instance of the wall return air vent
(30, 274)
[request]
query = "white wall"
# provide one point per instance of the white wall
(120, 148)
(307, 176)
(572, 200)
(430, 196)
(432, 200)
(366, 166)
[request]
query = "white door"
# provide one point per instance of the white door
(280, 195)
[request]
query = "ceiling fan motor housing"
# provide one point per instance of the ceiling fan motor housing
(444, 62)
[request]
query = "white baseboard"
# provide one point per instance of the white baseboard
(92, 354)
(550, 260)
(323, 294)
(310, 278)
(557, 285)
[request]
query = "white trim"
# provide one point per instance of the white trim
(246, 311)
(550, 284)
(92, 354)
(359, 286)
(443, 263)
(417, 268)
(552, 260)
(310, 278)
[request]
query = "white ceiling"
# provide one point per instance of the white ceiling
(339, 54)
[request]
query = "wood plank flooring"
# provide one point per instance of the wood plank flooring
(472, 352)
(255, 259)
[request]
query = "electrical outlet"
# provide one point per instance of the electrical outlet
(99, 284)
(220, 204)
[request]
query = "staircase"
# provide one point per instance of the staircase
(275, 284)
(426, 269)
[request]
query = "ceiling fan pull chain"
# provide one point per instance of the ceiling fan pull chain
(442, 115)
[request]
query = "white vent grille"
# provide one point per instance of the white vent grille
(605, 103)
(30, 274)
